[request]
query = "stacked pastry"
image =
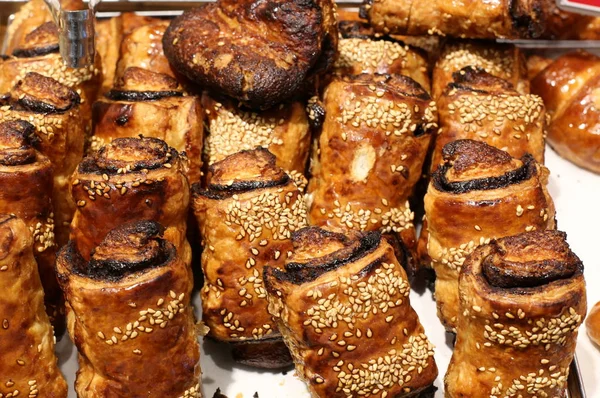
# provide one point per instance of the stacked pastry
(479, 193)
(342, 305)
(28, 366)
(246, 216)
(33, 47)
(147, 99)
(54, 110)
(370, 155)
(130, 317)
(522, 300)
(26, 180)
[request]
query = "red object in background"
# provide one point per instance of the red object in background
(590, 7)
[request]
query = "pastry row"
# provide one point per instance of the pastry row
(316, 273)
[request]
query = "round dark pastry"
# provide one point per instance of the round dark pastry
(258, 52)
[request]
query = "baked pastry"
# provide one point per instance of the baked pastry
(342, 305)
(246, 216)
(258, 52)
(31, 15)
(109, 35)
(474, 19)
(486, 108)
(130, 316)
(535, 64)
(284, 130)
(592, 324)
(128, 180)
(26, 180)
(522, 299)
(28, 363)
(570, 87)
(370, 155)
(505, 61)
(39, 52)
(142, 48)
(54, 110)
(479, 193)
(362, 51)
(153, 105)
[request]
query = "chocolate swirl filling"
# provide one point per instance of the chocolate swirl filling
(129, 155)
(466, 158)
(41, 41)
(133, 247)
(324, 251)
(530, 260)
(41, 94)
(17, 142)
(242, 172)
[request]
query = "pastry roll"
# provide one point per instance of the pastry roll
(361, 51)
(479, 193)
(505, 61)
(153, 105)
(39, 52)
(342, 304)
(475, 19)
(283, 130)
(570, 87)
(109, 35)
(483, 107)
(522, 300)
(370, 155)
(566, 25)
(130, 317)
(26, 180)
(28, 364)
(31, 15)
(128, 180)
(246, 216)
(54, 110)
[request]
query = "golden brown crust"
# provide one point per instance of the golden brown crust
(592, 324)
(130, 316)
(142, 48)
(38, 52)
(32, 14)
(536, 64)
(258, 52)
(131, 179)
(486, 108)
(520, 337)
(284, 130)
(28, 364)
(246, 216)
(54, 110)
(505, 61)
(166, 115)
(476, 19)
(370, 154)
(570, 26)
(480, 193)
(342, 306)
(109, 35)
(27, 181)
(362, 51)
(570, 87)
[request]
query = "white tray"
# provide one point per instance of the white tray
(575, 192)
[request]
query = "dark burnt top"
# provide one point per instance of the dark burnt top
(318, 251)
(17, 143)
(473, 165)
(138, 84)
(397, 85)
(530, 260)
(41, 41)
(476, 79)
(130, 248)
(41, 94)
(129, 155)
(242, 172)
